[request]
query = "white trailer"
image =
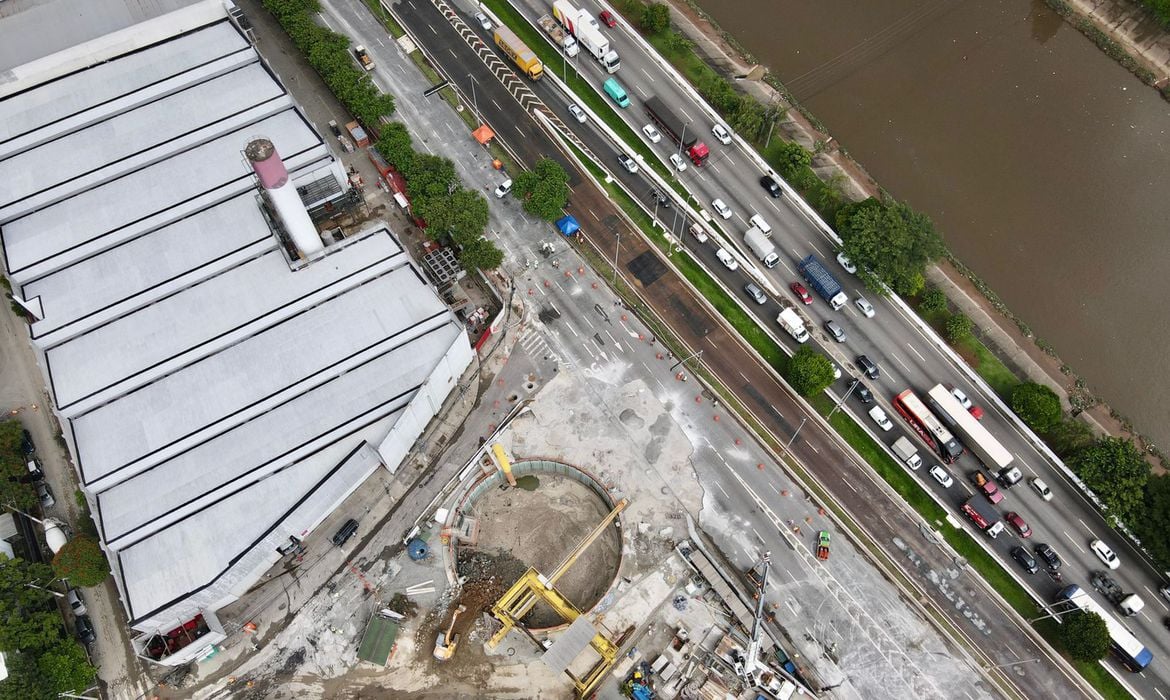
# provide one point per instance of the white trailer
(762, 246)
(907, 452)
(791, 321)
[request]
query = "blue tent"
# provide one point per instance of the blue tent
(568, 226)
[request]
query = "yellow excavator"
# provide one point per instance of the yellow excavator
(446, 641)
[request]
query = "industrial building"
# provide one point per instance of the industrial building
(224, 374)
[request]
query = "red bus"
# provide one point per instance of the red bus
(928, 426)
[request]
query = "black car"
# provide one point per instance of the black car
(345, 532)
(867, 366)
(45, 494)
(1048, 555)
(658, 196)
(1024, 559)
(84, 628)
(26, 443)
(862, 392)
(771, 186)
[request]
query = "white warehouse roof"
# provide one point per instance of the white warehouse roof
(216, 398)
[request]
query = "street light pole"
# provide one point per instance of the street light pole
(474, 102)
(686, 359)
(616, 248)
(856, 383)
(793, 438)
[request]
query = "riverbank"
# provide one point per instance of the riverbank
(1001, 331)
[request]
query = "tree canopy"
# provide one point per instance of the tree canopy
(889, 242)
(1036, 405)
(1084, 635)
(809, 372)
(1153, 527)
(544, 189)
(655, 18)
(1115, 470)
(82, 562)
(14, 487)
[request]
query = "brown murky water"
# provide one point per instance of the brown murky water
(1045, 165)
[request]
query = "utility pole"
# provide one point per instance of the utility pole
(793, 438)
(474, 102)
(616, 248)
(686, 359)
(856, 383)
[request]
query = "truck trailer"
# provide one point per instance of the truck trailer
(559, 36)
(791, 321)
(677, 130)
(762, 246)
(519, 52)
(823, 281)
(582, 26)
(983, 515)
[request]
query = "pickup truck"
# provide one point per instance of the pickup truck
(363, 57)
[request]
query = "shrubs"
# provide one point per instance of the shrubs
(933, 301)
(82, 561)
(1036, 405)
(958, 328)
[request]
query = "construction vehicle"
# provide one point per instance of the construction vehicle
(823, 545)
(363, 57)
(518, 51)
(447, 640)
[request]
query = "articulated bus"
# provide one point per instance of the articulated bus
(1129, 651)
(928, 426)
(993, 455)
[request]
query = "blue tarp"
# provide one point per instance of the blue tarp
(568, 226)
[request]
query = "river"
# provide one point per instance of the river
(1044, 164)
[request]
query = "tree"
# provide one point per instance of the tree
(25, 681)
(791, 158)
(1069, 436)
(809, 372)
(958, 328)
(1036, 405)
(396, 146)
(460, 216)
(655, 18)
(1154, 526)
(66, 667)
(82, 561)
(889, 242)
(934, 301)
(480, 254)
(429, 176)
(544, 189)
(1115, 470)
(1085, 636)
(28, 619)
(14, 487)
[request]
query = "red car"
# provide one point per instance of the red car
(1019, 524)
(799, 290)
(607, 19)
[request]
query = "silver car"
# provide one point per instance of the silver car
(755, 293)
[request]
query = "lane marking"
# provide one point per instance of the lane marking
(812, 447)
(851, 487)
(899, 361)
(920, 357)
(723, 490)
(572, 330)
(647, 74)
(712, 342)
(1074, 542)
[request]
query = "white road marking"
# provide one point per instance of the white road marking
(708, 339)
(572, 330)
(685, 115)
(1074, 542)
(594, 215)
(1157, 599)
(497, 104)
(772, 201)
(899, 361)
(615, 342)
(722, 489)
(745, 378)
(758, 536)
(1089, 529)
(846, 482)
(648, 76)
(812, 447)
(790, 270)
(1159, 692)
(716, 168)
(915, 352)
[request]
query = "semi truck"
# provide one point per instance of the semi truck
(791, 321)
(363, 57)
(559, 36)
(582, 26)
(677, 130)
(823, 281)
(762, 246)
(983, 515)
(907, 452)
(519, 52)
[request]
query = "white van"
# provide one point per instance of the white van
(764, 226)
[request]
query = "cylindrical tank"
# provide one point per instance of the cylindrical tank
(54, 535)
(417, 549)
(274, 179)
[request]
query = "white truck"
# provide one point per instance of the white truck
(582, 26)
(559, 36)
(791, 321)
(762, 246)
(906, 452)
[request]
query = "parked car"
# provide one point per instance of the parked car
(871, 370)
(652, 133)
(1105, 554)
(1048, 555)
(799, 290)
(879, 416)
(1024, 559)
(823, 541)
(864, 306)
(846, 263)
(483, 21)
(628, 163)
(34, 469)
(1041, 488)
(755, 293)
(45, 494)
(577, 112)
(722, 133)
(835, 330)
(727, 259)
(722, 209)
(84, 627)
(1018, 523)
(759, 222)
(504, 188)
(679, 163)
(771, 186)
(941, 476)
(76, 602)
(345, 532)
(26, 444)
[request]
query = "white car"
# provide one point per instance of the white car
(628, 163)
(864, 307)
(879, 416)
(483, 21)
(504, 188)
(1041, 488)
(722, 209)
(758, 222)
(727, 259)
(722, 134)
(652, 133)
(846, 263)
(677, 161)
(961, 398)
(940, 475)
(836, 370)
(1105, 554)
(698, 232)
(577, 112)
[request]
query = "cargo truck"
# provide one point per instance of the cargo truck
(559, 36)
(1129, 604)
(983, 515)
(791, 321)
(519, 52)
(582, 26)
(677, 130)
(823, 281)
(363, 57)
(907, 452)
(762, 246)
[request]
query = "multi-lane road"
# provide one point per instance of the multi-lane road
(908, 358)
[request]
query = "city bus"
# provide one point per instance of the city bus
(993, 455)
(928, 426)
(1129, 651)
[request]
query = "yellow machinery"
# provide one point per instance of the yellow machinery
(533, 587)
(446, 641)
(504, 462)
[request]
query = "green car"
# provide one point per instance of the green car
(823, 544)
